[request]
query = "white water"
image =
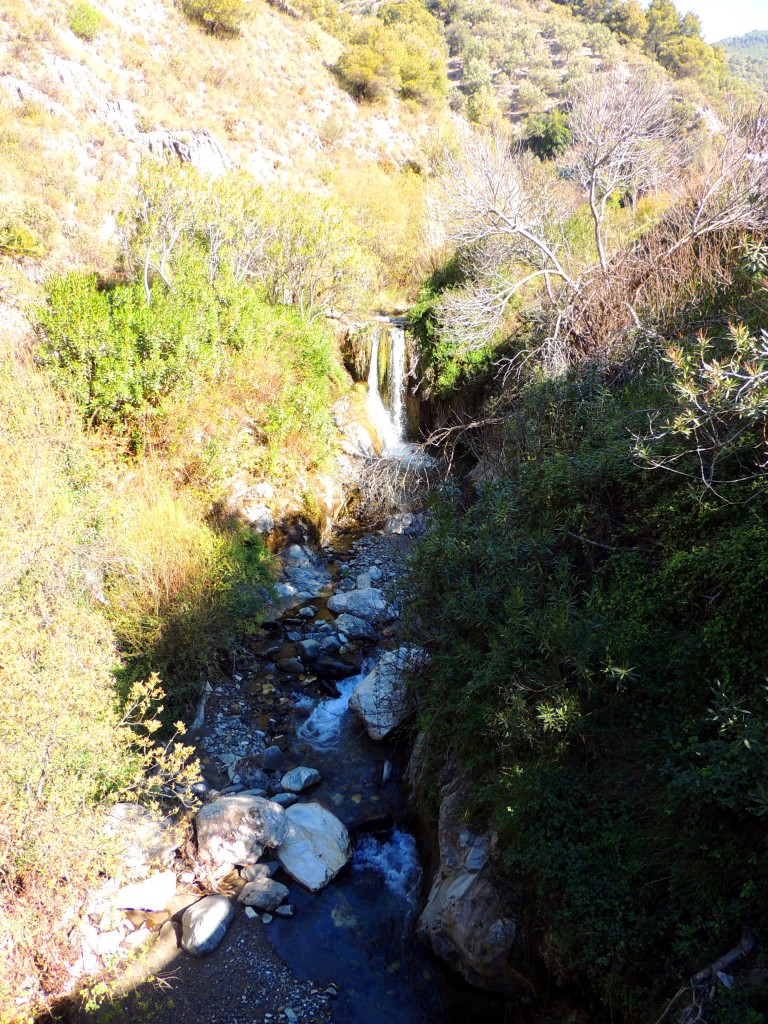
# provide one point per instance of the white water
(395, 859)
(388, 422)
(321, 730)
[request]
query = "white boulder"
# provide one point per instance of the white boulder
(205, 924)
(236, 830)
(382, 701)
(316, 845)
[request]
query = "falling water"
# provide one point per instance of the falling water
(388, 419)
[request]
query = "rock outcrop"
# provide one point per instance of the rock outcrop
(462, 921)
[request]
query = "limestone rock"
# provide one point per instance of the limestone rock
(263, 893)
(154, 893)
(368, 604)
(461, 921)
(236, 830)
(316, 845)
(381, 700)
(355, 628)
(205, 924)
(299, 779)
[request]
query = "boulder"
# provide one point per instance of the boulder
(462, 921)
(316, 845)
(236, 830)
(299, 779)
(263, 893)
(154, 893)
(406, 524)
(382, 701)
(368, 604)
(355, 628)
(205, 923)
(258, 516)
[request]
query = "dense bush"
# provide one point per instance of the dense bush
(547, 135)
(400, 50)
(598, 670)
(85, 20)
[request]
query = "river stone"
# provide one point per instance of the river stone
(236, 830)
(355, 628)
(273, 759)
(285, 799)
(205, 924)
(263, 893)
(316, 845)
(382, 700)
(154, 893)
(299, 779)
(461, 921)
(368, 604)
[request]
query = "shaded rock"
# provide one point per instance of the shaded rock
(273, 759)
(381, 700)
(236, 830)
(154, 893)
(355, 628)
(263, 893)
(462, 921)
(406, 524)
(310, 649)
(334, 668)
(299, 779)
(368, 604)
(287, 910)
(316, 845)
(292, 665)
(205, 924)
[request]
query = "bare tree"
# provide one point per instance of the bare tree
(628, 137)
(506, 222)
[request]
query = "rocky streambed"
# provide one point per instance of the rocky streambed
(298, 897)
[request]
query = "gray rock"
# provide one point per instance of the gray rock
(273, 759)
(263, 893)
(461, 921)
(316, 845)
(205, 924)
(236, 830)
(406, 524)
(291, 665)
(382, 700)
(310, 649)
(287, 910)
(252, 872)
(363, 581)
(368, 604)
(355, 628)
(299, 779)
(285, 799)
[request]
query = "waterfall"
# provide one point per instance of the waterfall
(388, 417)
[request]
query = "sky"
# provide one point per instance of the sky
(723, 18)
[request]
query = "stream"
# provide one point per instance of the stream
(349, 952)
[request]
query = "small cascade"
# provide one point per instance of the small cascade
(386, 389)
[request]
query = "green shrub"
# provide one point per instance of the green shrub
(547, 135)
(85, 20)
(598, 668)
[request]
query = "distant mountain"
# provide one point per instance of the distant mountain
(748, 57)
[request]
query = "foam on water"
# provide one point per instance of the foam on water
(395, 859)
(321, 730)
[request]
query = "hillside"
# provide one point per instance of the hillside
(748, 57)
